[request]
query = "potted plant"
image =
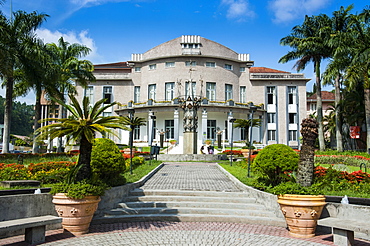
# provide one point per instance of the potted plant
(303, 211)
(173, 141)
(76, 203)
(80, 188)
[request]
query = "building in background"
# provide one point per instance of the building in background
(154, 83)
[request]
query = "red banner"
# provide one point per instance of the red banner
(354, 131)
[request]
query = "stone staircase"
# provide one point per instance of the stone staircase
(191, 206)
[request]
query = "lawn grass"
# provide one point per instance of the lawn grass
(28, 159)
(141, 171)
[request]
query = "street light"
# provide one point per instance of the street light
(152, 118)
(232, 120)
(131, 113)
(252, 109)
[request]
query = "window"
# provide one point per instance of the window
(136, 132)
(190, 90)
(170, 64)
(211, 129)
(210, 64)
(152, 66)
(270, 95)
(89, 93)
(292, 118)
(228, 92)
(242, 69)
(243, 94)
(211, 91)
(293, 135)
(170, 129)
(190, 63)
(107, 94)
(169, 90)
(292, 95)
(190, 46)
(228, 67)
(137, 94)
(313, 106)
(271, 135)
(271, 118)
(137, 69)
(107, 114)
(152, 91)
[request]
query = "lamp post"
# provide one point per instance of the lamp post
(232, 120)
(131, 113)
(252, 109)
(152, 118)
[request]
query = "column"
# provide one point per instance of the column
(204, 125)
(176, 124)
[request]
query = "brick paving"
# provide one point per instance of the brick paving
(190, 176)
(183, 176)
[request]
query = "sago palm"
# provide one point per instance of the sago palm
(81, 127)
(246, 124)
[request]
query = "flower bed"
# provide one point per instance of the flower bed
(46, 172)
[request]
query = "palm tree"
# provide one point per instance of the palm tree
(132, 122)
(17, 39)
(81, 127)
(246, 124)
(359, 68)
(340, 59)
(67, 70)
(308, 43)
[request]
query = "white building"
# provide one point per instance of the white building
(152, 82)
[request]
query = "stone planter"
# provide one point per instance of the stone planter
(301, 213)
(76, 213)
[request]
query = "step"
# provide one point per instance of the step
(169, 204)
(273, 221)
(188, 199)
(187, 210)
(141, 192)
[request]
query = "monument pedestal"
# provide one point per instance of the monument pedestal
(190, 143)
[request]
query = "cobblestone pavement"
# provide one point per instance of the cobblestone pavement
(190, 176)
(178, 234)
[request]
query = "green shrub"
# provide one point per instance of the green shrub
(274, 162)
(79, 190)
(107, 162)
(13, 172)
(136, 161)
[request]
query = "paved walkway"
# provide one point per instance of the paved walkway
(188, 176)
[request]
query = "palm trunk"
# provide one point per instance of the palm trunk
(84, 160)
(36, 124)
(319, 107)
(60, 139)
(306, 164)
(338, 120)
(367, 116)
(7, 113)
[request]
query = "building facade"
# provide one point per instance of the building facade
(154, 84)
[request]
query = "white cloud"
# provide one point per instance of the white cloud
(82, 38)
(238, 9)
(88, 3)
(288, 10)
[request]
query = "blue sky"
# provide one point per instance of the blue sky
(114, 29)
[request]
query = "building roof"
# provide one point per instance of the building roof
(264, 70)
(116, 65)
(325, 95)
